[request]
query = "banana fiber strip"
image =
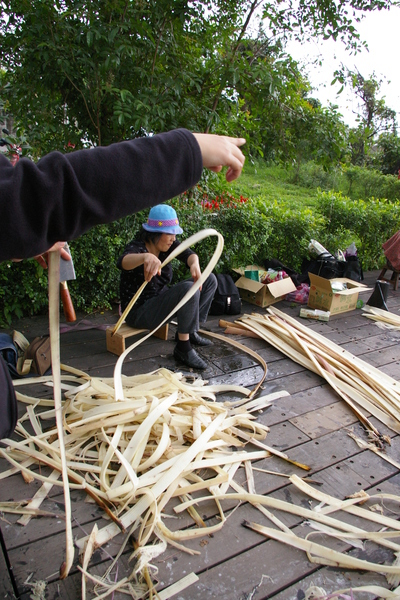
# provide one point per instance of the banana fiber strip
(364, 388)
(383, 318)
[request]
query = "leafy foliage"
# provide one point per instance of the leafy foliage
(387, 158)
(255, 228)
(82, 73)
(77, 74)
(374, 117)
(368, 222)
(244, 227)
(290, 233)
(367, 183)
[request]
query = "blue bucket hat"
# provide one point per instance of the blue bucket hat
(163, 219)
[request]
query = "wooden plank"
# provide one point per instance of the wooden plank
(332, 580)
(243, 572)
(329, 449)
(317, 423)
(43, 557)
(83, 514)
(283, 436)
(297, 404)
(383, 356)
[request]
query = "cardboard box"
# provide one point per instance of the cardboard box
(262, 294)
(322, 295)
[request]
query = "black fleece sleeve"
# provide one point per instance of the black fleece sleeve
(62, 196)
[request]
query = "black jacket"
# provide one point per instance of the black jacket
(62, 196)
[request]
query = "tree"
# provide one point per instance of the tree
(388, 154)
(325, 18)
(374, 116)
(83, 73)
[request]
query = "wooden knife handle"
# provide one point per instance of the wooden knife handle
(68, 307)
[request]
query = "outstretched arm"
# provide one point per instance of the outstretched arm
(62, 196)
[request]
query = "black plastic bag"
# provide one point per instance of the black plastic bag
(333, 268)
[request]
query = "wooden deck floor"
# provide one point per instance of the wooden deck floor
(310, 425)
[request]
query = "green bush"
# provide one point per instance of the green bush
(367, 223)
(244, 227)
(312, 175)
(360, 182)
(290, 232)
(23, 290)
(23, 285)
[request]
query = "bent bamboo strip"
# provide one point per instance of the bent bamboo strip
(364, 388)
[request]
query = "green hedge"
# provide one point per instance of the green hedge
(368, 223)
(254, 230)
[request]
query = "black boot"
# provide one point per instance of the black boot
(190, 359)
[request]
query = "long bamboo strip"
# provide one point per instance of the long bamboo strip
(306, 513)
(54, 326)
(384, 319)
(322, 554)
(364, 388)
(369, 369)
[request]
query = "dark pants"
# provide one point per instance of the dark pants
(189, 316)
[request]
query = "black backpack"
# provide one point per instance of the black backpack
(226, 299)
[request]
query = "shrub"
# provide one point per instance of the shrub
(254, 230)
(370, 223)
(367, 183)
(23, 285)
(23, 290)
(290, 232)
(312, 175)
(244, 227)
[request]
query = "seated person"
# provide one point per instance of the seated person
(141, 261)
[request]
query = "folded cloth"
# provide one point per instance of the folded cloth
(391, 249)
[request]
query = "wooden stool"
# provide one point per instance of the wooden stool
(116, 342)
(394, 280)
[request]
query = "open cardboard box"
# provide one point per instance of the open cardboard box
(262, 294)
(323, 297)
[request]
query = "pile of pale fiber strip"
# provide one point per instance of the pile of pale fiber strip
(366, 389)
(133, 444)
(383, 318)
(132, 456)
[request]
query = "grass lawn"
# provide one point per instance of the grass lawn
(271, 184)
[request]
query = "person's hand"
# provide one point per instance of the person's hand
(42, 259)
(151, 266)
(221, 151)
(194, 267)
(195, 272)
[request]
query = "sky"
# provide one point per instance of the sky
(381, 31)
